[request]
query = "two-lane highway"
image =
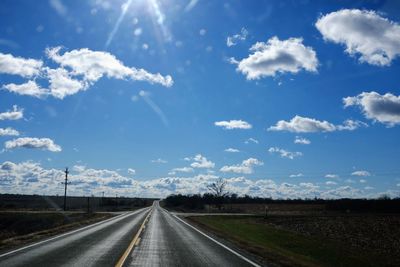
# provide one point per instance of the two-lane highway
(101, 244)
(147, 237)
(169, 241)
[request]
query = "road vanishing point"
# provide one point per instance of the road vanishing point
(147, 237)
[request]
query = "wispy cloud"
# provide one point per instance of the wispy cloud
(284, 153)
(159, 160)
(331, 176)
(15, 114)
(232, 150)
(232, 40)
(361, 173)
(33, 143)
(246, 167)
(251, 140)
(301, 140)
(233, 124)
(131, 171)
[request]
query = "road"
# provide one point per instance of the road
(168, 241)
(101, 244)
(163, 240)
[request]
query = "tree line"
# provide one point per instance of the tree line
(199, 202)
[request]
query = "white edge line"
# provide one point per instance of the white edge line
(68, 233)
(219, 243)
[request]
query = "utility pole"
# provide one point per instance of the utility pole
(65, 188)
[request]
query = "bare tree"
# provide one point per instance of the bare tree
(218, 188)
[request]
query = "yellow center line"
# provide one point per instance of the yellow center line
(134, 241)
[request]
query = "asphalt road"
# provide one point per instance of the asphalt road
(168, 241)
(163, 240)
(101, 244)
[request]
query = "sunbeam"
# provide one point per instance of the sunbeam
(124, 8)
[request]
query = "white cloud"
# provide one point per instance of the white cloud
(202, 32)
(233, 124)
(296, 175)
(159, 160)
(276, 56)
(361, 173)
(232, 150)
(31, 178)
(363, 181)
(33, 143)
(183, 169)
(8, 132)
(14, 114)
(232, 40)
(19, 66)
(202, 162)
(382, 108)
(30, 88)
(374, 38)
(78, 70)
(284, 153)
(95, 64)
(350, 181)
(330, 183)
(131, 171)
(251, 140)
(351, 125)
(61, 83)
(332, 176)
(301, 140)
(245, 167)
(300, 124)
(79, 168)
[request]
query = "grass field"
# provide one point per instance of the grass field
(288, 248)
(19, 228)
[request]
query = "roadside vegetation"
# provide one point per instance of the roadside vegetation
(19, 228)
(283, 244)
(299, 232)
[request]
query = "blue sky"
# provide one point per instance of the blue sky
(157, 97)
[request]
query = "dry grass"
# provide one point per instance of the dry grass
(278, 239)
(20, 228)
